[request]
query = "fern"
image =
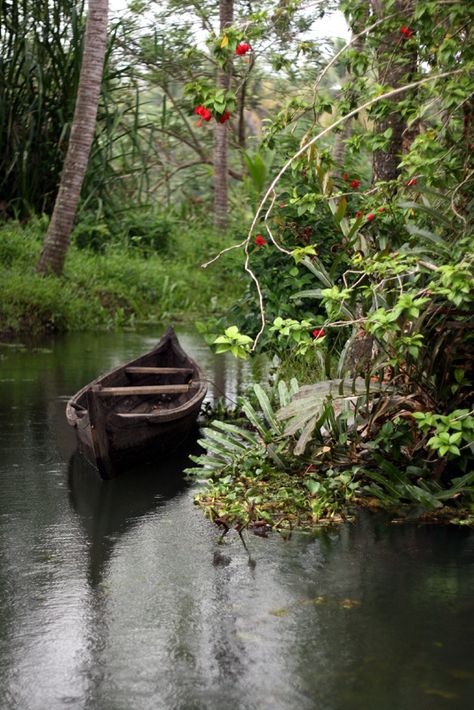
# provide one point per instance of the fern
(322, 404)
(229, 447)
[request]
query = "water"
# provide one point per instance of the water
(117, 595)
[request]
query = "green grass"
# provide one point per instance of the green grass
(120, 287)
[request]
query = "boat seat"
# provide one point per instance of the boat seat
(144, 390)
(136, 370)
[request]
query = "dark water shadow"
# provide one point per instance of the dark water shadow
(109, 509)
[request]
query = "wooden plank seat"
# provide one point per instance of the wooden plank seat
(159, 370)
(144, 390)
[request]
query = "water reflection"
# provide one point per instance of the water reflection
(108, 510)
(117, 596)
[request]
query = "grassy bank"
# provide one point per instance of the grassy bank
(121, 286)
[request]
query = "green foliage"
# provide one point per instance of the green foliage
(253, 478)
(233, 341)
(40, 75)
(277, 279)
(114, 286)
(216, 100)
(449, 431)
(393, 487)
(226, 454)
(40, 55)
(294, 335)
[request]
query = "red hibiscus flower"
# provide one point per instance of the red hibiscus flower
(359, 215)
(370, 217)
(225, 117)
(406, 31)
(355, 183)
(205, 114)
(318, 333)
(345, 177)
(242, 48)
(260, 241)
(199, 124)
(381, 209)
(411, 182)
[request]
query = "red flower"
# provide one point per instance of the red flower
(225, 117)
(381, 209)
(411, 182)
(359, 215)
(205, 114)
(260, 241)
(370, 217)
(406, 31)
(355, 183)
(345, 177)
(318, 333)
(199, 124)
(242, 48)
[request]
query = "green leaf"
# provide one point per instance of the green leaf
(266, 407)
(341, 210)
(239, 431)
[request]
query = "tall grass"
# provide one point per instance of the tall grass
(119, 287)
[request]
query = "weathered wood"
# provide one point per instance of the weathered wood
(159, 370)
(137, 415)
(139, 428)
(100, 442)
(143, 389)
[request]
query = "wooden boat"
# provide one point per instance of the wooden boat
(146, 406)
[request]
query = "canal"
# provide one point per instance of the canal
(118, 595)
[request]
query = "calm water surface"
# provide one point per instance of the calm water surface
(117, 596)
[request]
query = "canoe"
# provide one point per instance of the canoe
(144, 407)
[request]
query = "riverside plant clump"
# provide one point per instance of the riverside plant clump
(386, 300)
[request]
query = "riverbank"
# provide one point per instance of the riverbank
(306, 500)
(121, 286)
(255, 473)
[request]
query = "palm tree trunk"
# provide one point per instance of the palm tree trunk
(226, 14)
(58, 237)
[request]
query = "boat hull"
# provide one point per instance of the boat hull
(114, 436)
(131, 445)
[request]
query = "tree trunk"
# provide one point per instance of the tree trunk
(396, 64)
(226, 13)
(241, 95)
(82, 134)
(241, 102)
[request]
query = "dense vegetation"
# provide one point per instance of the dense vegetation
(349, 170)
(123, 283)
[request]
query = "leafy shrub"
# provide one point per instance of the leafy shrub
(146, 231)
(92, 233)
